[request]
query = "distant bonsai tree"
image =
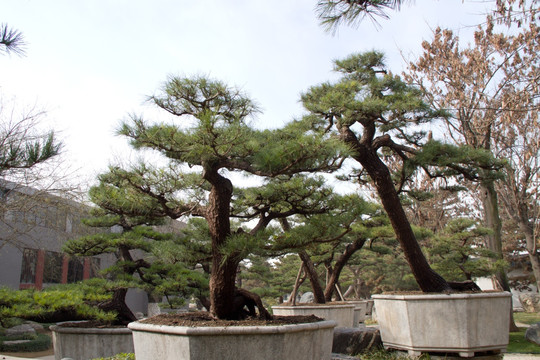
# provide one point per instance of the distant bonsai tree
(329, 240)
(138, 244)
(458, 252)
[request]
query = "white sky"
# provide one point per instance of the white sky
(90, 63)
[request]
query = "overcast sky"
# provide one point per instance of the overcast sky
(90, 63)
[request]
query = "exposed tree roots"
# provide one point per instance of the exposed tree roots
(245, 303)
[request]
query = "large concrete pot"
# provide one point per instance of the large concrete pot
(299, 342)
(360, 308)
(342, 314)
(80, 343)
(455, 323)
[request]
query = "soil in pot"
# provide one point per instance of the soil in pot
(194, 319)
(90, 324)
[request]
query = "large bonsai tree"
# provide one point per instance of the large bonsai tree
(208, 141)
(383, 121)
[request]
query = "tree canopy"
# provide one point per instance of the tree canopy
(210, 138)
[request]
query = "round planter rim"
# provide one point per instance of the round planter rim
(102, 331)
(230, 330)
(438, 296)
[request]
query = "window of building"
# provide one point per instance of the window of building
(52, 270)
(95, 265)
(75, 270)
(40, 267)
(29, 265)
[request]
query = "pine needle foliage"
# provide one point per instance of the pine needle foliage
(208, 142)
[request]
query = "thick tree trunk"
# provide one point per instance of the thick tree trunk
(494, 241)
(318, 292)
(426, 277)
(226, 301)
(222, 288)
(223, 271)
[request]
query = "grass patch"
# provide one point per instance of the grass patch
(518, 343)
(526, 318)
(37, 342)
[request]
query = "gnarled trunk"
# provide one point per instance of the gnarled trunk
(118, 304)
(223, 270)
(226, 301)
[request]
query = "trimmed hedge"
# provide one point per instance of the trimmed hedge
(38, 342)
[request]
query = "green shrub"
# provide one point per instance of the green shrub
(37, 342)
(122, 356)
(54, 304)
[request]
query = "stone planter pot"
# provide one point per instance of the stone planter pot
(342, 314)
(455, 323)
(360, 308)
(299, 342)
(89, 343)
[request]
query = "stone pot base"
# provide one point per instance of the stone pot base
(342, 314)
(455, 323)
(299, 342)
(90, 343)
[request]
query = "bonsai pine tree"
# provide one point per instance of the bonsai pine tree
(458, 252)
(136, 242)
(330, 239)
(208, 141)
(379, 117)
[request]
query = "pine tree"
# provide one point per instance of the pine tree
(380, 118)
(328, 241)
(138, 243)
(210, 140)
